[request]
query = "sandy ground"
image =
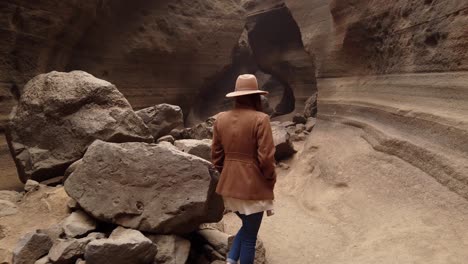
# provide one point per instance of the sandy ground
(8, 176)
(343, 202)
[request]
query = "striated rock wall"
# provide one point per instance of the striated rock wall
(398, 70)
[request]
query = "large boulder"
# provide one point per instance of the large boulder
(283, 144)
(162, 118)
(60, 114)
(150, 187)
(199, 148)
(124, 246)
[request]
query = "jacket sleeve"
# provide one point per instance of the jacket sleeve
(217, 151)
(266, 150)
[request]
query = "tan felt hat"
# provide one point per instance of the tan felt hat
(246, 84)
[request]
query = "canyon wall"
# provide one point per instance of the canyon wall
(398, 70)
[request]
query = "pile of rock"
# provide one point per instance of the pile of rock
(128, 200)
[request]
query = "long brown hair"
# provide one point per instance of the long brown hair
(252, 101)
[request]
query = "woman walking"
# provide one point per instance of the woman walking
(243, 151)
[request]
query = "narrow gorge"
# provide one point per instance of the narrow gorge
(368, 102)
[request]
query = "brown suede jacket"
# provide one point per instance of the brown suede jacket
(243, 151)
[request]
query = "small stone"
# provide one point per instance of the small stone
(31, 185)
(54, 231)
(31, 247)
(167, 138)
(80, 261)
(299, 119)
(217, 239)
(299, 128)
(78, 224)
(67, 251)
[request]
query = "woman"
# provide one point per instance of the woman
(243, 151)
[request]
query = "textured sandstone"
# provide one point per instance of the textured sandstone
(161, 189)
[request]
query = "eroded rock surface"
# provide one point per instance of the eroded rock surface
(161, 189)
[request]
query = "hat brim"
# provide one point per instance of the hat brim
(240, 93)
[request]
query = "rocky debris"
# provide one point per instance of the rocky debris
(162, 118)
(310, 107)
(171, 249)
(7, 208)
(78, 224)
(10, 196)
(173, 193)
(283, 144)
(199, 148)
(73, 109)
(31, 186)
(122, 247)
(310, 124)
(298, 137)
(300, 128)
(31, 247)
(299, 119)
(167, 138)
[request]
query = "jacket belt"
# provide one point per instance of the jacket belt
(239, 156)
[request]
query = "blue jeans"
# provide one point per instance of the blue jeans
(243, 246)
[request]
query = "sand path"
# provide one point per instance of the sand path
(343, 202)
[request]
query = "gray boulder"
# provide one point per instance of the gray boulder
(149, 187)
(171, 249)
(124, 246)
(283, 143)
(60, 114)
(162, 118)
(78, 224)
(31, 247)
(199, 148)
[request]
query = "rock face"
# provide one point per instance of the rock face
(161, 189)
(162, 118)
(123, 246)
(60, 114)
(398, 71)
